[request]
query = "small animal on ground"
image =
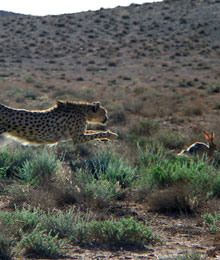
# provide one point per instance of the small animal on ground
(201, 149)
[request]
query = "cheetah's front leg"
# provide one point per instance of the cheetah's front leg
(108, 135)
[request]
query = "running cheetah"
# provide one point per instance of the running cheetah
(62, 122)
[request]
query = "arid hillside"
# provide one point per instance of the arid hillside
(161, 54)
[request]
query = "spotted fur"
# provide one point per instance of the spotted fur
(65, 121)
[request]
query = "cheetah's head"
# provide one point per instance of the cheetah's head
(97, 114)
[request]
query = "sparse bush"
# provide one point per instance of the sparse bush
(70, 224)
(214, 88)
(139, 132)
(125, 232)
(44, 196)
(11, 159)
(29, 79)
(30, 94)
(40, 168)
(177, 199)
(193, 110)
(118, 116)
(170, 140)
(38, 243)
(25, 219)
(108, 175)
(190, 256)
(212, 221)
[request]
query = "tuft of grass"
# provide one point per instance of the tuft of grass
(139, 133)
(28, 165)
(40, 168)
(104, 177)
(177, 199)
(190, 256)
(214, 88)
(145, 128)
(25, 219)
(170, 140)
(11, 159)
(29, 79)
(212, 221)
(71, 225)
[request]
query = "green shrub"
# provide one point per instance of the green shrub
(212, 222)
(125, 232)
(109, 167)
(104, 176)
(82, 229)
(159, 170)
(11, 159)
(70, 225)
(42, 166)
(152, 154)
(29, 79)
(27, 164)
(93, 189)
(25, 219)
(41, 244)
(215, 185)
(30, 94)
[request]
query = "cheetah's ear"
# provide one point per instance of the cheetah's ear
(95, 106)
(60, 103)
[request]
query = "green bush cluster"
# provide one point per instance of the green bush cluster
(44, 234)
(156, 173)
(104, 177)
(28, 165)
(160, 169)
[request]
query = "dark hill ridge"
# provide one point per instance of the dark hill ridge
(6, 14)
(149, 42)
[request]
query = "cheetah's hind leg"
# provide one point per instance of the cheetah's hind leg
(109, 135)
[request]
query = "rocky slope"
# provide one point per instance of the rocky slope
(152, 42)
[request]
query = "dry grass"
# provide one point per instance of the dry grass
(177, 199)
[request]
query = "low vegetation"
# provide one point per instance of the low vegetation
(55, 200)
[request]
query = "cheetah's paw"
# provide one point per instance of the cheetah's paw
(111, 135)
